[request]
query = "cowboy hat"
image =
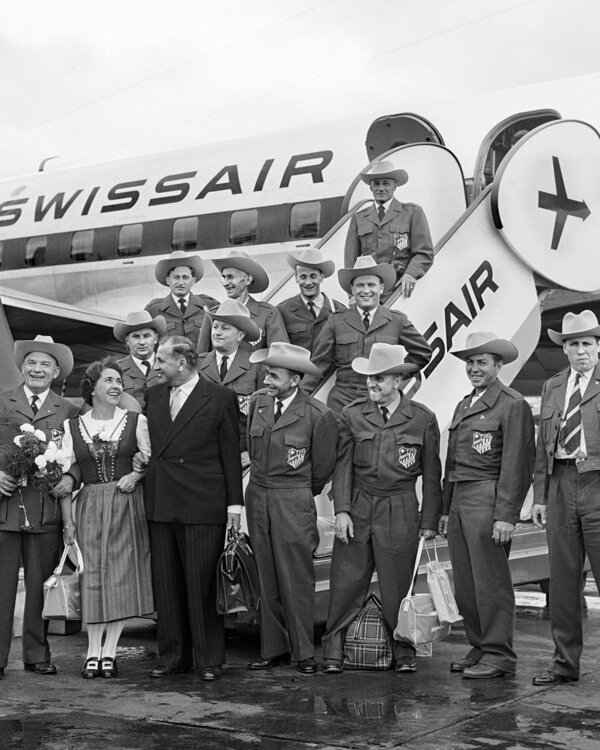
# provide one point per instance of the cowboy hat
(137, 320)
(243, 262)
(237, 315)
(288, 356)
(178, 258)
(61, 353)
(384, 359)
(365, 265)
(484, 342)
(574, 325)
(311, 258)
(383, 170)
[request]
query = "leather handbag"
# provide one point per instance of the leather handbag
(238, 588)
(62, 598)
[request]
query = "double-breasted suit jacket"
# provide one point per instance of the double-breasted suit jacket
(135, 382)
(302, 328)
(179, 324)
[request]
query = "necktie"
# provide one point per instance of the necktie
(311, 308)
(182, 306)
(223, 368)
(569, 436)
(278, 409)
(34, 404)
(146, 364)
(176, 402)
(366, 319)
(384, 413)
(380, 212)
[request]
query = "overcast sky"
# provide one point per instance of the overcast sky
(94, 80)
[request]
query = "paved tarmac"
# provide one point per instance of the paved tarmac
(430, 710)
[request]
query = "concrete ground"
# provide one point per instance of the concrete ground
(430, 710)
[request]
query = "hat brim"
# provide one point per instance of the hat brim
(502, 348)
(327, 267)
(163, 267)
(287, 362)
(559, 338)
(246, 325)
(61, 353)
(384, 271)
(362, 367)
(399, 175)
(260, 280)
(121, 330)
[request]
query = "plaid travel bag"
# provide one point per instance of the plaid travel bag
(368, 644)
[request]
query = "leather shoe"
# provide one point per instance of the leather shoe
(41, 667)
(406, 664)
(465, 663)
(553, 678)
(273, 661)
(91, 668)
(482, 672)
(211, 673)
(307, 666)
(163, 671)
(333, 666)
(108, 667)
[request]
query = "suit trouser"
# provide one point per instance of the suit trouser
(343, 394)
(482, 579)
(284, 535)
(573, 529)
(40, 554)
(184, 573)
(386, 539)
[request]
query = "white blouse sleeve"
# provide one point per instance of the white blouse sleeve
(142, 435)
(67, 445)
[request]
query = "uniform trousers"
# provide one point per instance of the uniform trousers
(184, 573)
(283, 530)
(482, 579)
(386, 539)
(40, 554)
(573, 529)
(343, 394)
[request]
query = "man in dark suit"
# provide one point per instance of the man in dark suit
(140, 333)
(304, 314)
(30, 522)
(567, 486)
(390, 231)
(183, 311)
(193, 491)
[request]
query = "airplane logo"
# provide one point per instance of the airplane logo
(561, 204)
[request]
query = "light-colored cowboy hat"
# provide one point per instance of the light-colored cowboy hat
(574, 325)
(175, 259)
(137, 320)
(311, 258)
(237, 315)
(484, 342)
(365, 265)
(383, 170)
(243, 262)
(384, 359)
(61, 353)
(289, 356)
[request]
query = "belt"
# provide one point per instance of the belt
(566, 461)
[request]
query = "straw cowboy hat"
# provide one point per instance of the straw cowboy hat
(137, 320)
(384, 359)
(237, 315)
(178, 258)
(485, 342)
(311, 258)
(61, 353)
(383, 170)
(574, 325)
(288, 356)
(243, 262)
(365, 265)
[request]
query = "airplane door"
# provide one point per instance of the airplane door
(392, 131)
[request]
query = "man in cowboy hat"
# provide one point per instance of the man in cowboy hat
(567, 486)
(228, 363)
(30, 522)
(182, 311)
(304, 314)
(140, 333)
(241, 275)
(390, 231)
(291, 439)
(349, 334)
(488, 472)
(386, 442)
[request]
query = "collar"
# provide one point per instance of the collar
(188, 386)
(230, 357)
(386, 205)
(318, 302)
(41, 396)
(372, 312)
(186, 299)
(139, 361)
(285, 402)
(393, 406)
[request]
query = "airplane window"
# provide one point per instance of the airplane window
(243, 227)
(185, 233)
(35, 251)
(82, 245)
(304, 220)
(130, 240)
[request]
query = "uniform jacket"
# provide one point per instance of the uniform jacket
(493, 439)
(134, 380)
(343, 338)
(178, 324)
(300, 325)
(266, 317)
(385, 458)
(402, 238)
(296, 451)
(15, 410)
(195, 470)
(551, 412)
(243, 378)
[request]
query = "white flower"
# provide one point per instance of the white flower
(27, 428)
(51, 449)
(60, 458)
(40, 435)
(40, 462)
(17, 440)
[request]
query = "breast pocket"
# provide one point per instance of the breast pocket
(348, 347)
(257, 438)
(295, 452)
(486, 440)
(364, 447)
(408, 452)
